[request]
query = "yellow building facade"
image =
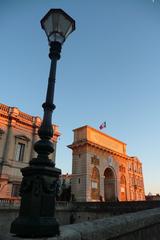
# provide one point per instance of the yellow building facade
(102, 170)
(18, 133)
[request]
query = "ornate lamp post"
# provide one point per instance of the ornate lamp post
(38, 188)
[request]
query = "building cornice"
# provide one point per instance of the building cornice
(87, 142)
(15, 116)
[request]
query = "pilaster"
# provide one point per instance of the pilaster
(9, 144)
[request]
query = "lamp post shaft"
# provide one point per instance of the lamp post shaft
(39, 184)
(51, 82)
(44, 133)
(44, 146)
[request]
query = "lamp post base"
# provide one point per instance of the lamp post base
(35, 227)
(37, 211)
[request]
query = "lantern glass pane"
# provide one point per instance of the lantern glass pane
(64, 25)
(55, 22)
(70, 29)
(48, 25)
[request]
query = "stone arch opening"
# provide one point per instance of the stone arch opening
(95, 184)
(109, 185)
(123, 188)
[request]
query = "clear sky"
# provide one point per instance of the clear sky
(109, 70)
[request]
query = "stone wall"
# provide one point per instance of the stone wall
(76, 212)
(6, 217)
(142, 225)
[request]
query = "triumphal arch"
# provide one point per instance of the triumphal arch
(102, 170)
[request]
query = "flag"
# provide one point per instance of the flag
(103, 125)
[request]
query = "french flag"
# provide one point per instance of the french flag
(103, 125)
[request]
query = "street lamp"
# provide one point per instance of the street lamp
(40, 179)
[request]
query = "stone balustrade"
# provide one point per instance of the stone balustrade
(8, 203)
(4, 108)
(25, 116)
(114, 208)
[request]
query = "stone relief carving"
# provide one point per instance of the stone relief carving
(38, 185)
(95, 160)
(110, 161)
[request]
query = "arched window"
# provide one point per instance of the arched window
(109, 185)
(109, 173)
(123, 188)
(123, 180)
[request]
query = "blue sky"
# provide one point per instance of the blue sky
(109, 70)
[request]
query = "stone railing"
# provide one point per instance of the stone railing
(7, 203)
(4, 108)
(26, 116)
(113, 207)
(14, 202)
(12, 110)
(144, 225)
(76, 212)
(63, 205)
